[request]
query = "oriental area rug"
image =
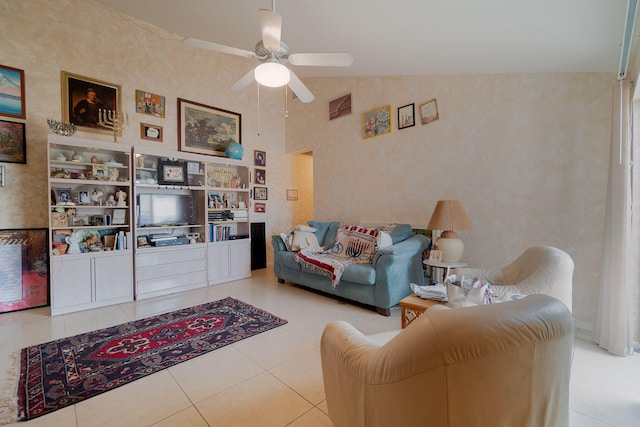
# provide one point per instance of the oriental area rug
(66, 371)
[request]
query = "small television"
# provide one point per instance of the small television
(155, 210)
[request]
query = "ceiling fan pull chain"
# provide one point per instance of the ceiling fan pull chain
(286, 104)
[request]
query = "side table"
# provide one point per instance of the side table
(413, 307)
(437, 266)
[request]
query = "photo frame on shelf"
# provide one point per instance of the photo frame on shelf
(429, 112)
(13, 146)
(119, 217)
(83, 198)
(406, 116)
(340, 107)
(150, 104)
(151, 132)
(259, 158)
(376, 122)
(435, 256)
(260, 176)
(25, 261)
(260, 193)
(100, 172)
(83, 97)
(171, 172)
(63, 196)
(203, 129)
(193, 167)
(12, 98)
(260, 207)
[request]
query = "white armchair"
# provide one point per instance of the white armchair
(538, 270)
(502, 364)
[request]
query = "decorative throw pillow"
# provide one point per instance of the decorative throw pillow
(384, 240)
(303, 240)
(357, 243)
(306, 228)
(287, 238)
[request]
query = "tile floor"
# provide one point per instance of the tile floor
(272, 379)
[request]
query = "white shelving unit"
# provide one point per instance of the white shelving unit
(90, 225)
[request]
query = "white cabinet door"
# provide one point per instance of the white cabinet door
(218, 262)
(71, 283)
(113, 277)
(240, 257)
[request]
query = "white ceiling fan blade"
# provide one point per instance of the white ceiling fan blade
(245, 81)
(337, 59)
(219, 48)
(300, 89)
(271, 27)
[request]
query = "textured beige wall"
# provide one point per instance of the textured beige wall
(82, 37)
(526, 154)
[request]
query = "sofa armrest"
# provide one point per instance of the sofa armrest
(277, 243)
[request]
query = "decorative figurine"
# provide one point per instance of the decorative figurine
(122, 198)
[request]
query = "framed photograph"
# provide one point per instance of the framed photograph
(143, 241)
(151, 132)
(25, 269)
(83, 198)
(149, 103)
(119, 217)
(259, 158)
(13, 143)
(406, 116)
(12, 93)
(80, 220)
(207, 130)
(429, 112)
(193, 167)
(376, 122)
(435, 256)
(292, 195)
(3, 176)
(260, 207)
(260, 193)
(260, 176)
(63, 196)
(172, 172)
(86, 100)
(100, 172)
(340, 107)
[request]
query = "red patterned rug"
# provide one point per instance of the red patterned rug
(66, 371)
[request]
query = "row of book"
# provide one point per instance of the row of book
(218, 233)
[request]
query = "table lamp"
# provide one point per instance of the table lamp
(449, 216)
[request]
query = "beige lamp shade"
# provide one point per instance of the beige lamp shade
(449, 216)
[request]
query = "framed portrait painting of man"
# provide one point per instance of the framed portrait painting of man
(88, 103)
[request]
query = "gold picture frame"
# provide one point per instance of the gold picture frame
(429, 112)
(151, 132)
(376, 122)
(83, 97)
(207, 130)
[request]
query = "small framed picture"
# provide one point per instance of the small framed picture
(435, 256)
(259, 158)
(260, 193)
(80, 220)
(63, 196)
(406, 116)
(83, 198)
(260, 207)
(149, 103)
(143, 241)
(429, 112)
(172, 172)
(119, 217)
(193, 167)
(340, 107)
(376, 122)
(13, 145)
(292, 195)
(151, 132)
(100, 172)
(260, 176)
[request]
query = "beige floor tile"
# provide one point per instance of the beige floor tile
(313, 418)
(303, 374)
(213, 373)
(273, 347)
(65, 417)
(260, 401)
(190, 417)
(142, 402)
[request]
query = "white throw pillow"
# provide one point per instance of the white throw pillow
(304, 240)
(305, 228)
(384, 240)
(475, 296)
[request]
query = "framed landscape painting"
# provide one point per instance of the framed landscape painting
(12, 92)
(206, 130)
(13, 143)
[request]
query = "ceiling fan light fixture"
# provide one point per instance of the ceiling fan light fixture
(272, 74)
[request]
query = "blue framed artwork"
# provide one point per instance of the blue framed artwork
(12, 92)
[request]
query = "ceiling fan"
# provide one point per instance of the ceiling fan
(273, 52)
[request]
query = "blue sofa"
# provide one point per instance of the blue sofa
(381, 284)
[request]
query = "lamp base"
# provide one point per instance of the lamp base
(451, 247)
